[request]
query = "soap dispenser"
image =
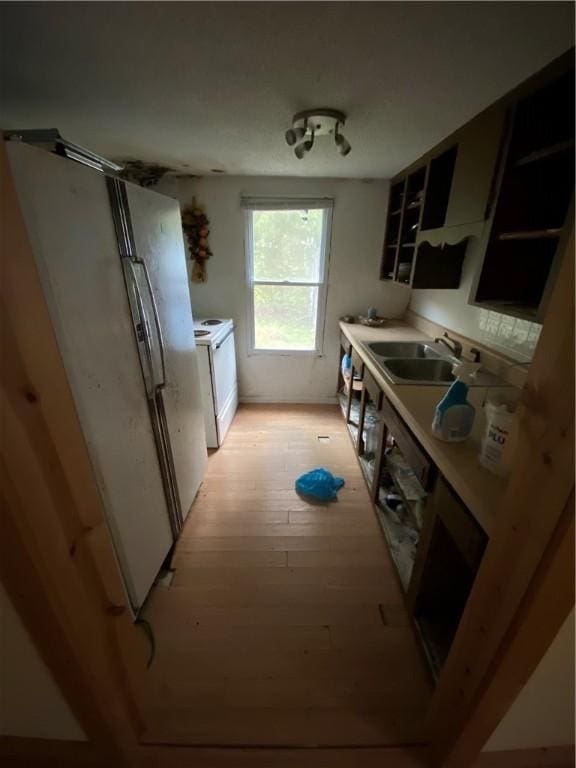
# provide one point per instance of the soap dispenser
(454, 416)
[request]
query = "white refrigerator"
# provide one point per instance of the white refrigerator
(111, 260)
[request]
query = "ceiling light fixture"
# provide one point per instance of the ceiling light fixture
(342, 143)
(305, 147)
(295, 134)
(316, 122)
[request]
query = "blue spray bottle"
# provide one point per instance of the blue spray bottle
(454, 416)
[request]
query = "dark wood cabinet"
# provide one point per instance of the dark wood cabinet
(505, 178)
(434, 542)
(403, 224)
(440, 175)
(435, 199)
(449, 556)
(534, 198)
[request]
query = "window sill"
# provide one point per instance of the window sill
(285, 352)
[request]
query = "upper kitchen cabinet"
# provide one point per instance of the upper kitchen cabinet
(403, 223)
(530, 218)
(479, 147)
(426, 234)
(506, 178)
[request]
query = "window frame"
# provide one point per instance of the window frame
(290, 204)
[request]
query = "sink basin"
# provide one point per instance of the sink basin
(402, 349)
(421, 362)
(419, 371)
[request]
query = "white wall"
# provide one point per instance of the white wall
(31, 705)
(543, 713)
(450, 308)
(357, 237)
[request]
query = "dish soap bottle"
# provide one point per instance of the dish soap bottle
(454, 416)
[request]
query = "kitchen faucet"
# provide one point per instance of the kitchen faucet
(454, 346)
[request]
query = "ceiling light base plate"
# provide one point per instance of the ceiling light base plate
(322, 122)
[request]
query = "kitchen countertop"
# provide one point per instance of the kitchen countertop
(479, 489)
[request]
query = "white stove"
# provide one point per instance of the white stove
(217, 359)
(211, 330)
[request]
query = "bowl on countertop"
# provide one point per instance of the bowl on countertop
(373, 322)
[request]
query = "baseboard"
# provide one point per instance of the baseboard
(18, 752)
(40, 753)
(541, 757)
(289, 401)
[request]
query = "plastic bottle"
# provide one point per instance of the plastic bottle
(499, 409)
(346, 366)
(454, 415)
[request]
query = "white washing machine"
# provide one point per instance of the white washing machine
(218, 379)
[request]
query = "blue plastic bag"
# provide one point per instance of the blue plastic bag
(319, 484)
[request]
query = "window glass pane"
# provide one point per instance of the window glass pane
(287, 245)
(285, 317)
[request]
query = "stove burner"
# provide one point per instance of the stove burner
(201, 333)
(212, 322)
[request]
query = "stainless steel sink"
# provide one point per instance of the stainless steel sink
(421, 362)
(403, 349)
(420, 371)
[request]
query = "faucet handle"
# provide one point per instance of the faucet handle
(475, 354)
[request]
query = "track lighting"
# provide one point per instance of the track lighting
(295, 134)
(342, 144)
(304, 148)
(316, 122)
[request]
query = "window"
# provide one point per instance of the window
(287, 244)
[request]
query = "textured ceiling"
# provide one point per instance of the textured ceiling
(199, 86)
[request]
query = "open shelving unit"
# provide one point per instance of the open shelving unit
(535, 195)
(402, 226)
(399, 505)
(418, 202)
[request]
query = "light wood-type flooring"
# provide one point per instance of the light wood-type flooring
(284, 624)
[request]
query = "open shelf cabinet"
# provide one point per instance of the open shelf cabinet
(404, 216)
(534, 199)
(419, 200)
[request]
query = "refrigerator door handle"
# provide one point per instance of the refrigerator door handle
(142, 263)
(143, 332)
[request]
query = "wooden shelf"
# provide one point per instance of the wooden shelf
(532, 204)
(413, 206)
(396, 212)
(408, 245)
(542, 154)
(534, 234)
(357, 384)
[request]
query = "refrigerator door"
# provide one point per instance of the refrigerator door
(157, 232)
(67, 213)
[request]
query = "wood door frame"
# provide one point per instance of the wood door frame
(58, 564)
(475, 688)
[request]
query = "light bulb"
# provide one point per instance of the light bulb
(302, 149)
(293, 135)
(290, 137)
(342, 144)
(305, 147)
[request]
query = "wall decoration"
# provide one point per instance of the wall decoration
(195, 224)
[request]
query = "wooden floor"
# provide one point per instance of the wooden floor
(284, 624)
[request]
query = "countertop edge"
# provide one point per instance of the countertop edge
(475, 503)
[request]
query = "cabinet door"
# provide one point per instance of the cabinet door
(370, 406)
(478, 151)
(448, 559)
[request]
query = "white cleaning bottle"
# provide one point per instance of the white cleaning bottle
(454, 415)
